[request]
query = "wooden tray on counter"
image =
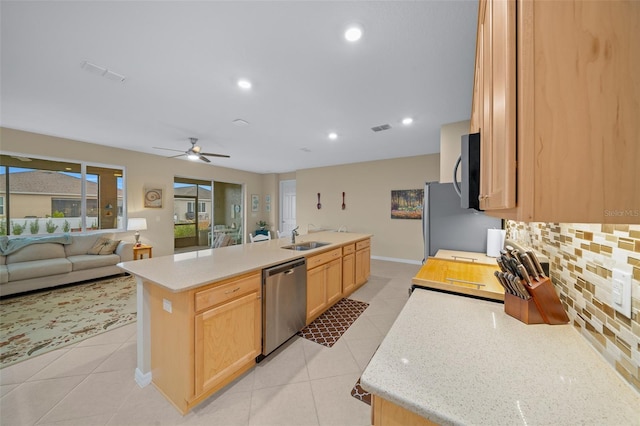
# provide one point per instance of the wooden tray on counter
(459, 276)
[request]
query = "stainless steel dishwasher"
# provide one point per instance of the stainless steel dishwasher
(284, 303)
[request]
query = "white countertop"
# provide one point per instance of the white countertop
(185, 271)
(457, 360)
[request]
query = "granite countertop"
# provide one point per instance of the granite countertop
(458, 360)
(185, 271)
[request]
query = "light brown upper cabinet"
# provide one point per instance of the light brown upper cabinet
(557, 102)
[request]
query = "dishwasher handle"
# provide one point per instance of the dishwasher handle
(287, 268)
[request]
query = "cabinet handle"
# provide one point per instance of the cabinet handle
(232, 291)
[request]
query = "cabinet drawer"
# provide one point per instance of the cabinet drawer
(320, 259)
(363, 244)
(228, 291)
(348, 249)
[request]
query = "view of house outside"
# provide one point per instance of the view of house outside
(47, 197)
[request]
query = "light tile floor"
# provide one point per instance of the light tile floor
(302, 383)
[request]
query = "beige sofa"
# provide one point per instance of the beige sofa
(50, 264)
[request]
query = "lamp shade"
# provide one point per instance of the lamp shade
(136, 224)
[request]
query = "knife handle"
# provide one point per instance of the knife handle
(536, 263)
(499, 278)
(522, 290)
(525, 274)
(528, 264)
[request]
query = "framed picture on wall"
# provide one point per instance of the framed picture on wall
(153, 198)
(255, 203)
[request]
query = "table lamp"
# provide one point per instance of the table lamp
(139, 224)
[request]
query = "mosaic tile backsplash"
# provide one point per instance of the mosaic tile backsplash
(582, 259)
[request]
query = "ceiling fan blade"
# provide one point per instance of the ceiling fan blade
(176, 156)
(215, 155)
(205, 159)
(168, 149)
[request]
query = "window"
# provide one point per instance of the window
(202, 208)
(1, 206)
(48, 196)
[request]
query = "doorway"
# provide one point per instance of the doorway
(287, 206)
(228, 213)
(192, 209)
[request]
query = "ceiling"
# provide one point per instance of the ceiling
(181, 61)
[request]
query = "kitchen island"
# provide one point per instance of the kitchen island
(451, 359)
(186, 298)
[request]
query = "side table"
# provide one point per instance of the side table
(141, 250)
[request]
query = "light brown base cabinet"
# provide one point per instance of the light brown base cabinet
(363, 262)
(335, 274)
(203, 339)
(324, 282)
(386, 413)
(348, 269)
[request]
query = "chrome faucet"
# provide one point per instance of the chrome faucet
(294, 233)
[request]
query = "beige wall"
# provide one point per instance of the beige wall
(368, 189)
(142, 170)
(450, 135)
(367, 186)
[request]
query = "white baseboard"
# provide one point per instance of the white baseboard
(393, 259)
(142, 379)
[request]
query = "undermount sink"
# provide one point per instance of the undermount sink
(306, 246)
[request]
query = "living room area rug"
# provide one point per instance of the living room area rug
(37, 323)
(331, 325)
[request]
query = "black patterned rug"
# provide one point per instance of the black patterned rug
(331, 325)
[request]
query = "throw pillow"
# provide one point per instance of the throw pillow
(104, 246)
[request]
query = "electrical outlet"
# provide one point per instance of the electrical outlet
(621, 294)
(166, 305)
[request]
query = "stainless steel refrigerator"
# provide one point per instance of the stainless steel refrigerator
(448, 226)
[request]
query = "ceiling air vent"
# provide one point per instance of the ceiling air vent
(381, 128)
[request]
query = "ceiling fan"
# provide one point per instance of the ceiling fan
(194, 152)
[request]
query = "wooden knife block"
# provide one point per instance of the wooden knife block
(544, 307)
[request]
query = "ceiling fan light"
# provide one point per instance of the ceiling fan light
(193, 157)
(244, 84)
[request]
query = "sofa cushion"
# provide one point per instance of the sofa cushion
(37, 252)
(4, 274)
(3, 260)
(82, 243)
(104, 246)
(89, 261)
(38, 268)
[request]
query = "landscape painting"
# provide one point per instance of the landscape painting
(407, 203)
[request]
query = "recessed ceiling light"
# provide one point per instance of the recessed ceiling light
(244, 84)
(353, 33)
(333, 136)
(406, 121)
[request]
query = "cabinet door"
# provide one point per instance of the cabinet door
(363, 265)
(497, 26)
(227, 337)
(333, 280)
(348, 273)
(316, 292)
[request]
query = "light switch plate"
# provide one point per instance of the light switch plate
(621, 294)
